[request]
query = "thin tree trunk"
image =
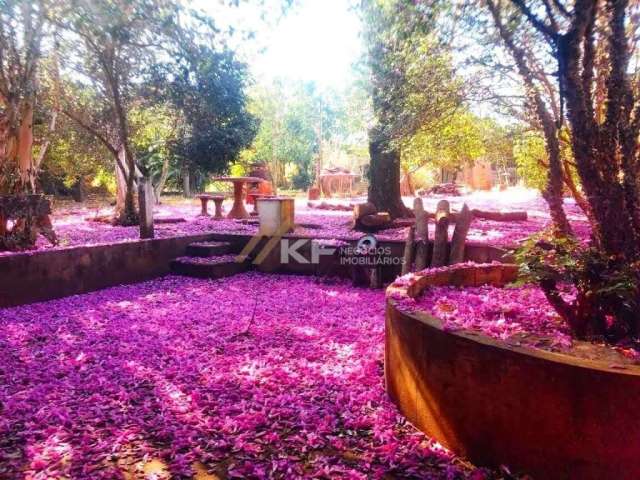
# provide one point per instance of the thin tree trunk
(554, 186)
(186, 182)
(25, 146)
(164, 175)
(121, 185)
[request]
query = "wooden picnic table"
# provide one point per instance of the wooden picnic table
(238, 210)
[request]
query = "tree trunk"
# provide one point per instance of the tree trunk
(186, 182)
(121, 185)
(164, 175)
(384, 181)
(409, 247)
(459, 238)
(125, 213)
(78, 191)
(25, 146)
(422, 235)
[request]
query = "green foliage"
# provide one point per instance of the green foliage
(456, 142)
(295, 120)
(73, 156)
(546, 257)
(414, 86)
(207, 88)
(607, 289)
(461, 140)
(154, 132)
(531, 156)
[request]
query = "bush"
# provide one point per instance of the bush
(595, 294)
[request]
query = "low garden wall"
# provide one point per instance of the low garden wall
(42, 275)
(547, 414)
(34, 276)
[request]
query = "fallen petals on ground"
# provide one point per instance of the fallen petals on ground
(255, 376)
(74, 226)
(519, 313)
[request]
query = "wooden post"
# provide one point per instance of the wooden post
(442, 235)
(408, 251)
(375, 277)
(146, 200)
(422, 235)
(460, 235)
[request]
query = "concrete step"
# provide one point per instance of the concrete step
(208, 267)
(209, 249)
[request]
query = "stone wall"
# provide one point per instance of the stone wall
(35, 276)
(43, 275)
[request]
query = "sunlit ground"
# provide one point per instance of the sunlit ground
(253, 376)
(73, 224)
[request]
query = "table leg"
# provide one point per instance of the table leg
(238, 210)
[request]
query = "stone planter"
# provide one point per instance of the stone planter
(548, 414)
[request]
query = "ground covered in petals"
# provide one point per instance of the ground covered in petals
(253, 376)
(74, 226)
(521, 314)
(516, 315)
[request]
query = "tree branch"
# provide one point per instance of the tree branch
(546, 30)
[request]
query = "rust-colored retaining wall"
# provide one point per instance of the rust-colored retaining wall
(550, 415)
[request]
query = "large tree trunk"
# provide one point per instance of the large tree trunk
(384, 181)
(596, 146)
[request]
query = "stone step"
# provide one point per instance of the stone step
(208, 267)
(209, 249)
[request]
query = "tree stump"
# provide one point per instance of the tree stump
(459, 237)
(30, 215)
(441, 237)
(375, 277)
(422, 235)
(362, 209)
(366, 218)
(374, 222)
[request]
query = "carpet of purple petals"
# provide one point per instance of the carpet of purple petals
(209, 260)
(269, 376)
(519, 315)
(74, 229)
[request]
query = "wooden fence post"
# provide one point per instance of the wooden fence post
(441, 237)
